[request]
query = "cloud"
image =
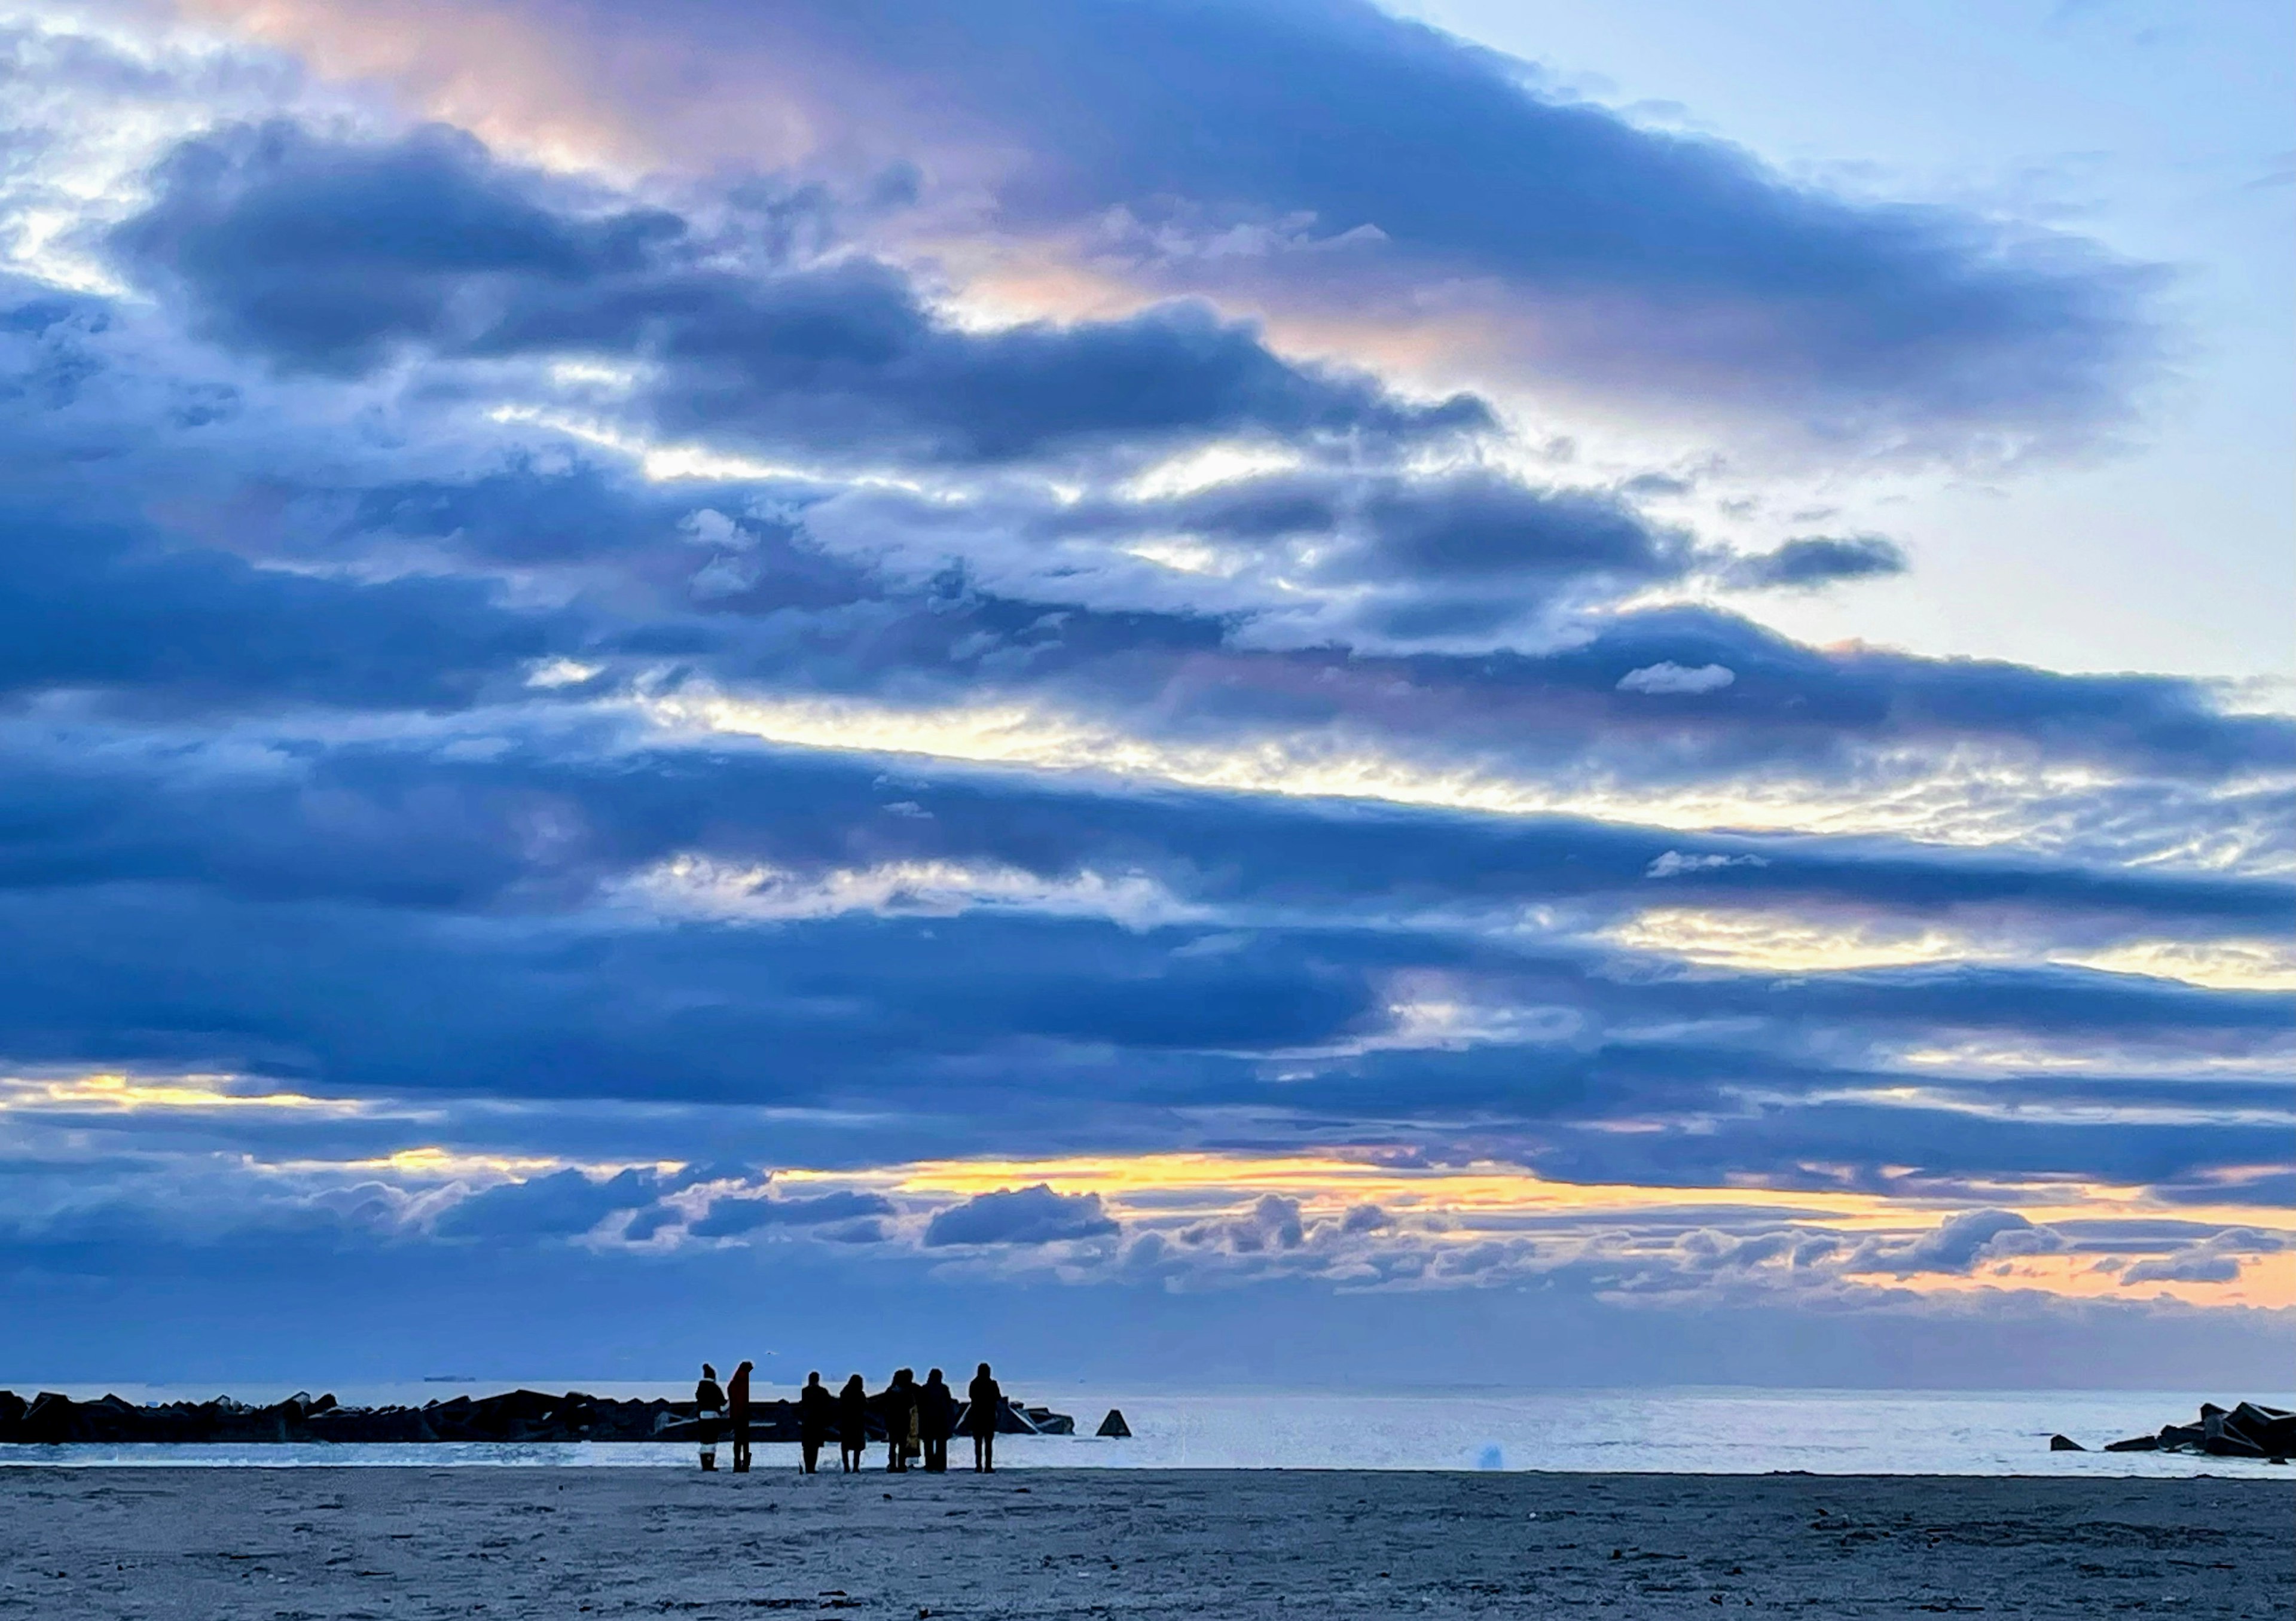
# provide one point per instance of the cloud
(731, 1218)
(908, 658)
(2196, 1266)
(1033, 1214)
(1556, 237)
(335, 255)
(94, 606)
(2217, 1258)
(1668, 678)
(1274, 1223)
(563, 1205)
(1814, 560)
(328, 255)
(1961, 1243)
(1362, 556)
(1673, 863)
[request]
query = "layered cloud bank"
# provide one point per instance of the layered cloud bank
(806, 686)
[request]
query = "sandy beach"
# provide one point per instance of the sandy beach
(313, 1543)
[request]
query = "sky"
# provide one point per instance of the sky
(1273, 692)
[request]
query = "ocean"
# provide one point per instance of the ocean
(1698, 1431)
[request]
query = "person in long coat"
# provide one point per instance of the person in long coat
(898, 1406)
(936, 1419)
(708, 1413)
(737, 1410)
(988, 1405)
(817, 1416)
(852, 1423)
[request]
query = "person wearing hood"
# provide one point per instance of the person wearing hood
(852, 1423)
(737, 1409)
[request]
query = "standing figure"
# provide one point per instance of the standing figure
(899, 1405)
(737, 1408)
(708, 1411)
(816, 1415)
(936, 1417)
(852, 1423)
(988, 1399)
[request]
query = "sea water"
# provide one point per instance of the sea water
(1698, 1431)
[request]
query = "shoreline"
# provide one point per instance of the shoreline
(781, 1458)
(1137, 1544)
(1692, 1431)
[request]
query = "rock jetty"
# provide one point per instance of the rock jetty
(514, 1415)
(2245, 1431)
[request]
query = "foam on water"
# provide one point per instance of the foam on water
(1711, 1432)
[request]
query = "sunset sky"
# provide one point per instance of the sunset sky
(1270, 692)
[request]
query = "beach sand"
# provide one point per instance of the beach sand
(343, 1542)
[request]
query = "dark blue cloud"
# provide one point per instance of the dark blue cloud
(328, 256)
(989, 1033)
(1819, 559)
(334, 256)
(565, 1204)
(363, 813)
(87, 606)
(1389, 549)
(1477, 527)
(1654, 257)
(1962, 1242)
(1033, 1214)
(732, 1217)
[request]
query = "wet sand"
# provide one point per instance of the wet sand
(385, 1542)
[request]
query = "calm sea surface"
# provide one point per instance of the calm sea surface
(1703, 1431)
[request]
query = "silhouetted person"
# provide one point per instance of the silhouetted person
(936, 1419)
(988, 1399)
(817, 1416)
(852, 1423)
(737, 1408)
(708, 1411)
(898, 1403)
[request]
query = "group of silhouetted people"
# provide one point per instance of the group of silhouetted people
(918, 1419)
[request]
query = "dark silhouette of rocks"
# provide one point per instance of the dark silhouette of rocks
(1114, 1427)
(2245, 1431)
(2065, 1444)
(514, 1415)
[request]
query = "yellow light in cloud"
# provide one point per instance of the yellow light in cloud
(431, 1162)
(1775, 941)
(1954, 802)
(2264, 1281)
(129, 1095)
(2230, 965)
(1222, 1181)
(1201, 1184)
